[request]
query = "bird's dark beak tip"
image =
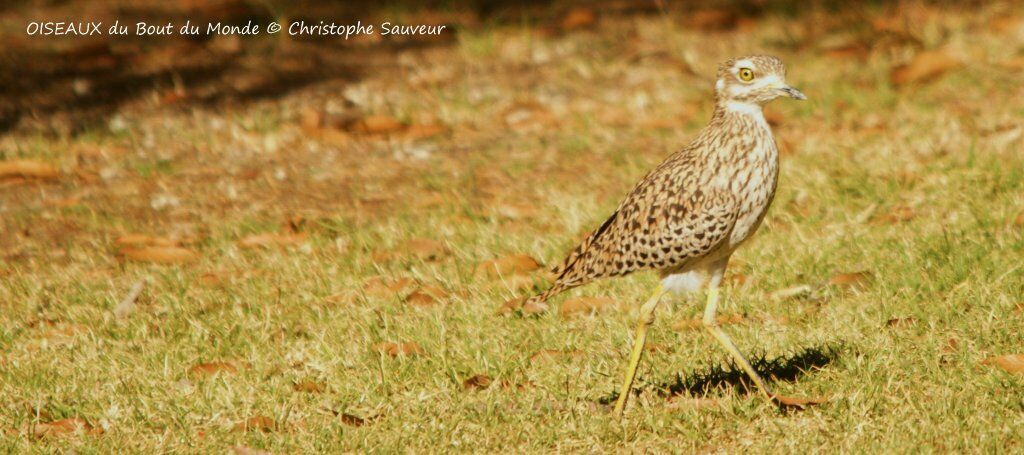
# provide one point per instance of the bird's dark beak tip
(794, 93)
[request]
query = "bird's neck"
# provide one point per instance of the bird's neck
(741, 109)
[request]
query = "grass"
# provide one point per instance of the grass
(908, 184)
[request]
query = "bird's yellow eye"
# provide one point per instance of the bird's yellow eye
(746, 74)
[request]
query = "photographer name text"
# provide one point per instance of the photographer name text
(299, 28)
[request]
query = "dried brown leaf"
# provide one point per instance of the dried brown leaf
(378, 124)
(257, 423)
(1012, 363)
(924, 67)
(585, 305)
(709, 20)
(396, 349)
(416, 131)
(577, 18)
(351, 420)
(65, 427)
(160, 254)
(426, 296)
(477, 382)
(897, 214)
(426, 249)
(29, 169)
(517, 264)
(901, 322)
(308, 386)
(211, 368)
(270, 239)
(384, 286)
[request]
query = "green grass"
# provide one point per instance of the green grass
(859, 151)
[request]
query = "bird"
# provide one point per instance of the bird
(688, 215)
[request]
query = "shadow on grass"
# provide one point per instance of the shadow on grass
(787, 368)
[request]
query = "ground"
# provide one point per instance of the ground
(309, 243)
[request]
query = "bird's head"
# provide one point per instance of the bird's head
(753, 80)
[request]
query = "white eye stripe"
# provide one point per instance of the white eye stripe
(766, 81)
(744, 64)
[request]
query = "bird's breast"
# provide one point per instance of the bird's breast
(754, 186)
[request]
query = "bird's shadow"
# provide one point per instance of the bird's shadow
(726, 376)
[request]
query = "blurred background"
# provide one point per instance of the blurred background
(64, 84)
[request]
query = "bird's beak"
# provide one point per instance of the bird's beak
(793, 93)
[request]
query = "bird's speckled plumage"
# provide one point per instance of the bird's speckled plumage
(693, 210)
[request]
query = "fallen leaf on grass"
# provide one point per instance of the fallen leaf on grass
(796, 402)
(1013, 363)
(585, 305)
(256, 423)
(852, 280)
(1007, 23)
(517, 264)
(424, 131)
(951, 346)
(426, 296)
(478, 382)
(345, 297)
(211, 368)
(924, 67)
(65, 427)
(738, 279)
(377, 124)
(270, 239)
(578, 18)
(137, 240)
(160, 254)
(212, 279)
(511, 306)
(351, 420)
(898, 214)
(518, 283)
(710, 20)
(698, 323)
(901, 322)
(384, 286)
(426, 249)
(1014, 63)
(308, 386)
(853, 50)
(27, 169)
(397, 349)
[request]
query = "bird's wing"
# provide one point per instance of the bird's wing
(672, 216)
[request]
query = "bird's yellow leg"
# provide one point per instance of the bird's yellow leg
(646, 319)
(711, 323)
